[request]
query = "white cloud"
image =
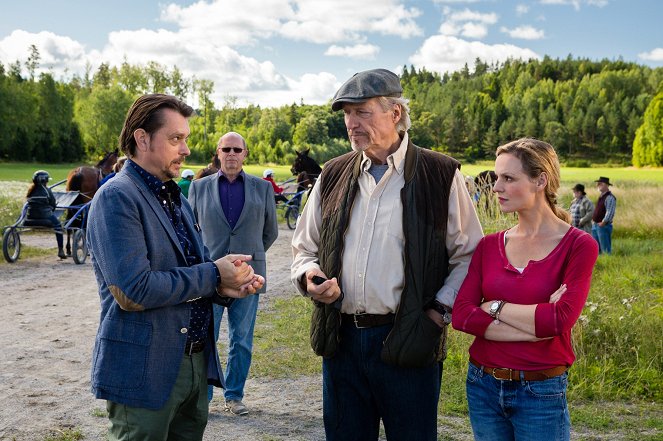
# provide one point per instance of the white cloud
(311, 88)
(524, 32)
(366, 51)
(234, 22)
(442, 53)
(576, 3)
(467, 23)
(653, 55)
(57, 53)
(522, 10)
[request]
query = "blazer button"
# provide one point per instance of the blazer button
(184, 330)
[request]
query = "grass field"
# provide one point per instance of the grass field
(615, 386)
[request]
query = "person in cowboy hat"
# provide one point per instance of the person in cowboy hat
(604, 212)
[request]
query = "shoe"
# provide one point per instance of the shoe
(236, 407)
(61, 254)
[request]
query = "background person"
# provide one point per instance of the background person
(394, 266)
(524, 291)
(41, 207)
(185, 182)
(268, 175)
(603, 215)
(116, 168)
(154, 352)
(237, 214)
(581, 209)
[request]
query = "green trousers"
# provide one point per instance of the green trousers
(182, 418)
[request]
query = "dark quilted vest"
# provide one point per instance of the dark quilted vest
(414, 339)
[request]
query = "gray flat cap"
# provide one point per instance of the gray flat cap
(367, 84)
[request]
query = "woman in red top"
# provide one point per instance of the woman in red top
(524, 291)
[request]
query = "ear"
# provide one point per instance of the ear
(542, 180)
(141, 137)
(396, 113)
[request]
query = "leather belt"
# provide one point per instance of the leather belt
(368, 320)
(507, 374)
(193, 347)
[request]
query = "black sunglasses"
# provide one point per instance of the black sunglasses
(237, 150)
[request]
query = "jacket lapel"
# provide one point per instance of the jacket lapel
(153, 202)
(216, 196)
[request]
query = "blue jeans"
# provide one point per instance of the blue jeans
(359, 389)
(517, 410)
(603, 235)
(241, 321)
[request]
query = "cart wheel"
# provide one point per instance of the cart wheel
(11, 245)
(79, 247)
(291, 215)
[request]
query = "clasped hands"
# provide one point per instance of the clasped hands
(238, 279)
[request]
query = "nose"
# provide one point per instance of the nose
(184, 149)
(350, 121)
(497, 186)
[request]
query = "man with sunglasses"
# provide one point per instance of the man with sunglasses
(236, 212)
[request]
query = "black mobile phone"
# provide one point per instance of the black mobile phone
(318, 280)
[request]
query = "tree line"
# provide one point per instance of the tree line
(591, 111)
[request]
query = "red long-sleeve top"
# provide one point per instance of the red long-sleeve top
(277, 189)
(492, 277)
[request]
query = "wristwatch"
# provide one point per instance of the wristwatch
(444, 310)
(495, 308)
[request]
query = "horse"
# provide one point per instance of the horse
(107, 162)
(211, 168)
(304, 163)
(304, 181)
(85, 180)
(483, 183)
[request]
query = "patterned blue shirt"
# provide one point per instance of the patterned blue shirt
(169, 196)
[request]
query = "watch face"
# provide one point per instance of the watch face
(494, 306)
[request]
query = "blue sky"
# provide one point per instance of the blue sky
(275, 52)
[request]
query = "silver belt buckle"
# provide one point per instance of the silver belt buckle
(354, 317)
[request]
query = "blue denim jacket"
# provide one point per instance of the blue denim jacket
(145, 287)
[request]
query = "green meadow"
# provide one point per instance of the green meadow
(616, 383)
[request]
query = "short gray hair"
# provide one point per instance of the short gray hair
(387, 102)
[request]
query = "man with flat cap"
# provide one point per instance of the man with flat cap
(604, 212)
(382, 247)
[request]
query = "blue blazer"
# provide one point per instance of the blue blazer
(145, 288)
(255, 230)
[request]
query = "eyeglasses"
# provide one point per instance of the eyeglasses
(237, 150)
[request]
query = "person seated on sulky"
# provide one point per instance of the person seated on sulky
(41, 207)
(268, 175)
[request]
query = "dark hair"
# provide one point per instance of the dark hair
(538, 157)
(145, 113)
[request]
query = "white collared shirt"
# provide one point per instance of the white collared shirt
(372, 274)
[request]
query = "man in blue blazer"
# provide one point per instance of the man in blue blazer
(154, 352)
(237, 214)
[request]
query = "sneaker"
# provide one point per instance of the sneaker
(236, 407)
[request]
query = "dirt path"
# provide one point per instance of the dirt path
(48, 320)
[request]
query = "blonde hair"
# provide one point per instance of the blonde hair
(539, 157)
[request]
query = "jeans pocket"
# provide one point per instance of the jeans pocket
(551, 389)
(473, 373)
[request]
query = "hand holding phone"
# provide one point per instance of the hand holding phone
(318, 280)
